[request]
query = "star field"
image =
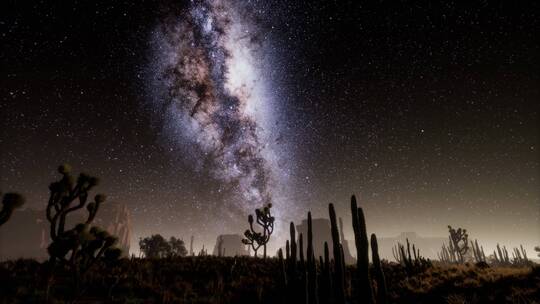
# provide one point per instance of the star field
(428, 112)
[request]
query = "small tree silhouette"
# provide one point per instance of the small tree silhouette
(257, 239)
(10, 202)
(459, 242)
(177, 247)
(155, 246)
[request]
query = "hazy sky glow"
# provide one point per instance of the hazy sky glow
(194, 113)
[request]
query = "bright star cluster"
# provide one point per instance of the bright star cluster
(209, 77)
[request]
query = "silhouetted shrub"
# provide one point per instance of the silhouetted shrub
(156, 246)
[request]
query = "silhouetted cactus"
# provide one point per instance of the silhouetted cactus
(311, 265)
(301, 261)
(302, 280)
(382, 293)
(447, 254)
(10, 202)
(296, 288)
(365, 290)
(414, 262)
(191, 253)
(257, 239)
(519, 257)
(83, 244)
(287, 250)
(478, 252)
(326, 277)
(502, 257)
(202, 252)
(292, 263)
(339, 271)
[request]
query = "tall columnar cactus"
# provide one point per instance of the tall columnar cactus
(311, 265)
(10, 202)
(257, 239)
(83, 245)
(339, 272)
(302, 271)
(414, 262)
(191, 253)
(302, 261)
(523, 252)
(447, 254)
(326, 277)
(478, 252)
(296, 288)
(382, 293)
(293, 248)
(519, 257)
(362, 250)
(502, 257)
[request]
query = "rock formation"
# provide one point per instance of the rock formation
(321, 234)
(229, 245)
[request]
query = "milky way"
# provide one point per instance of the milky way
(210, 66)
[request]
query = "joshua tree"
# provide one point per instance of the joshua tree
(10, 202)
(83, 245)
(257, 239)
(459, 241)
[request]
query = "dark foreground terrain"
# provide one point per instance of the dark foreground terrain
(248, 280)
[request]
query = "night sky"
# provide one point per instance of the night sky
(195, 113)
